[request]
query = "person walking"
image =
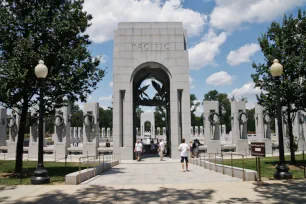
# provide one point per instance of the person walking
(190, 148)
(138, 150)
(184, 148)
(161, 149)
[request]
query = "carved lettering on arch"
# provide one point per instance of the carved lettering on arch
(150, 46)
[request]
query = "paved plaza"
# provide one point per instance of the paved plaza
(152, 181)
(153, 171)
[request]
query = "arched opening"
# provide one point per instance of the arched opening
(151, 92)
(147, 126)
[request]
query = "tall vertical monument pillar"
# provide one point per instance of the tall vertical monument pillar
(150, 51)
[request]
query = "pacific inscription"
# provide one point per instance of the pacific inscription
(150, 46)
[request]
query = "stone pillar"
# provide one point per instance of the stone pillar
(239, 127)
(71, 134)
(108, 132)
(3, 126)
(262, 125)
(201, 131)
(298, 130)
(34, 122)
(79, 133)
(103, 132)
(91, 129)
(62, 131)
(212, 129)
(285, 130)
(196, 131)
(14, 121)
(75, 133)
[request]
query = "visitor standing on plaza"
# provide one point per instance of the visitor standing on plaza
(195, 148)
(161, 149)
(152, 145)
(138, 150)
(184, 148)
(190, 148)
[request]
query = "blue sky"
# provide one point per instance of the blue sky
(222, 38)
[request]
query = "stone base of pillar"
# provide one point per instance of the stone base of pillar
(60, 150)
(242, 147)
(213, 146)
(268, 145)
(90, 149)
(11, 149)
(33, 150)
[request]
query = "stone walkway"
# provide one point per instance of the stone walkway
(151, 181)
(153, 171)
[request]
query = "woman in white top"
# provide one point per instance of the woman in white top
(138, 150)
(184, 149)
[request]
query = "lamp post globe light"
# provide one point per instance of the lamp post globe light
(282, 170)
(41, 174)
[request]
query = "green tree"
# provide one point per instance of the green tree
(224, 106)
(76, 116)
(251, 119)
(159, 116)
(51, 30)
(285, 42)
(106, 117)
(194, 104)
(139, 111)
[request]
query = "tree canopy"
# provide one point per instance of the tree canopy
(285, 42)
(52, 31)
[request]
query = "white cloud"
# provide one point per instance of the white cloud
(219, 78)
(249, 91)
(106, 98)
(242, 54)
(245, 91)
(192, 86)
(103, 59)
(229, 15)
(106, 15)
(111, 84)
(203, 53)
(199, 111)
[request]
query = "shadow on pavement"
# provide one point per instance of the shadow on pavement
(100, 194)
(282, 192)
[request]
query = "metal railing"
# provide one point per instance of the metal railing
(102, 159)
(212, 161)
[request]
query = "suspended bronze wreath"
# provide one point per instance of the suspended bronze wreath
(212, 118)
(88, 119)
(267, 118)
(240, 119)
(11, 122)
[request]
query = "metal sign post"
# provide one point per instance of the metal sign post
(258, 150)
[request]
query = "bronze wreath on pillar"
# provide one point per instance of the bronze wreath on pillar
(211, 118)
(266, 118)
(58, 120)
(240, 118)
(88, 119)
(11, 122)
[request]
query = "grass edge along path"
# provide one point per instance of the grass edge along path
(56, 172)
(268, 165)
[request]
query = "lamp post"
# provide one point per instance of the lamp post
(282, 170)
(41, 174)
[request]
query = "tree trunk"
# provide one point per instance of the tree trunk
(291, 138)
(21, 131)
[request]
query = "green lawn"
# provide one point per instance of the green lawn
(268, 166)
(56, 172)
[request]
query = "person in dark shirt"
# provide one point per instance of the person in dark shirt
(107, 143)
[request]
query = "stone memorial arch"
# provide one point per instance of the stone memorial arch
(156, 51)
